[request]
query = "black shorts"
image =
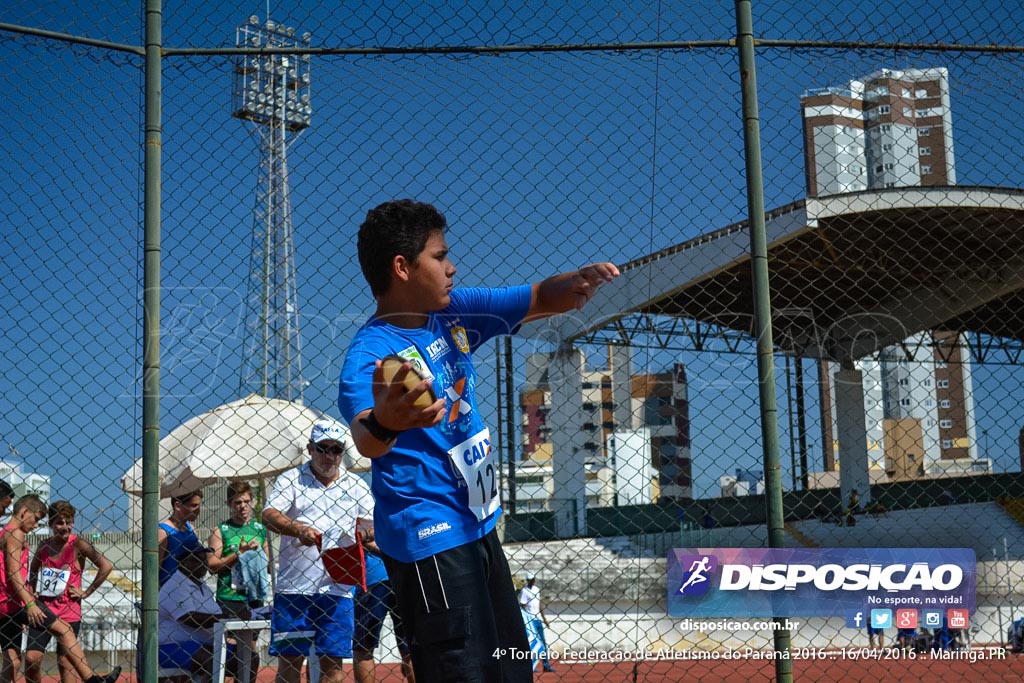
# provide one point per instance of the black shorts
(12, 626)
(458, 608)
(39, 638)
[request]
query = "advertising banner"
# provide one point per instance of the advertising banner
(821, 582)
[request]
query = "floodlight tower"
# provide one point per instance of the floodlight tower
(272, 92)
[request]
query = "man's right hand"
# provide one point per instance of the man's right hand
(308, 536)
(395, 408)
(35, 616)
(251, 544)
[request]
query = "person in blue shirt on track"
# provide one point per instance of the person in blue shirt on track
(434, 475)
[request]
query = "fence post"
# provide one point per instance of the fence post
(147, 668)
(762, 308)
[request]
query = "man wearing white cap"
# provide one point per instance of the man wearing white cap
(312, 613)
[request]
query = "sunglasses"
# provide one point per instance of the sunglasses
(332, 450)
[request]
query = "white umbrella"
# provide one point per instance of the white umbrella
(253, 437)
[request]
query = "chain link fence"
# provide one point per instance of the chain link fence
(550, 136)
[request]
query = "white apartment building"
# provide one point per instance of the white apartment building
(892, 129)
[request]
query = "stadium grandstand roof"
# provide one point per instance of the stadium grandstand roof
(850, 274)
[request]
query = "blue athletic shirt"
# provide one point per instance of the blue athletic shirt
(437, 488)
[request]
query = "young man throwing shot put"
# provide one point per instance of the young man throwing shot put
(434, 474)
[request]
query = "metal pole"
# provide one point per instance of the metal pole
(762, 308)
(999, 608)
(1009, 586)
(789, 417)
(500, 441)
(510, 430)
(801, 422)
(147, 668)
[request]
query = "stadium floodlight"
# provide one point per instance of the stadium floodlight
(271, 91)
(281, 77)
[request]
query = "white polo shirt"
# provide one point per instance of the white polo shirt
(300, 496)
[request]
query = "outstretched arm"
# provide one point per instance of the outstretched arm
(280, 523)
(33, 572)
(567, 291)
(201, 620)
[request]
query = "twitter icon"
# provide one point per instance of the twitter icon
(881, 618)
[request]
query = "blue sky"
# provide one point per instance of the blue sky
(541, 162)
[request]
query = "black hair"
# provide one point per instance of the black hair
(397, 228)
(184, 498)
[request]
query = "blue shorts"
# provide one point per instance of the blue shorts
(322, 621)
(371, 608)
(177, 655)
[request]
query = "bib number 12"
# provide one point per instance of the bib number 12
(475, 463)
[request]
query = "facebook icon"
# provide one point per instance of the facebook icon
(855, 619)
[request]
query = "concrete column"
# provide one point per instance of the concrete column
(568, 456)
(852, 436)
(620, 362)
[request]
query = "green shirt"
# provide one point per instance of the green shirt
(231, 535)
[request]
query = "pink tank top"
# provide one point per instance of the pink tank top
(63, 572)
(9, 600)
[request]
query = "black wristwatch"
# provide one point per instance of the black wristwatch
(377, 430)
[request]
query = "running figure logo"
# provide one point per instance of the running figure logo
(696, 576)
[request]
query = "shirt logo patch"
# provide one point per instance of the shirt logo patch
(412, 354)
(460, 338)
(437, 348)
(433, 529)
(459, 407)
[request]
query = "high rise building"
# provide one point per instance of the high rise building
(624, 412)
(891, 129)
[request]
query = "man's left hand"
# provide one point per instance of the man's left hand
(588, 278)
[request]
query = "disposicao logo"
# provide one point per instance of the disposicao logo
(697, 574)
(818, 581)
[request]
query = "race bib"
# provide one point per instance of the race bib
(53, 582)
(474, 461)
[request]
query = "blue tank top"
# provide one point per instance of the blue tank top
(175, 539)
